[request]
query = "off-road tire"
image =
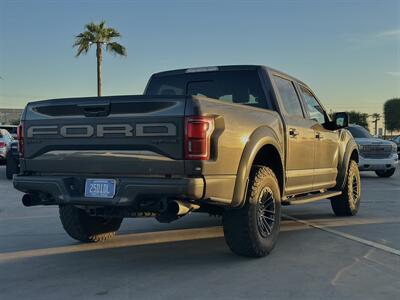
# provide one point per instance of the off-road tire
(348, 202)
(241, 225)
(386, 173)
(11, 168)
(85, 228)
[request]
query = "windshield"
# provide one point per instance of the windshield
(359, 132)
(240, 86)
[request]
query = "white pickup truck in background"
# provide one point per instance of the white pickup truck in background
(375, 154)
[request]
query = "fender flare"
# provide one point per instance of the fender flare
(346, 150)
(261, 137)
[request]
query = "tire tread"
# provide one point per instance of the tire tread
(82, 227)
(237, 230)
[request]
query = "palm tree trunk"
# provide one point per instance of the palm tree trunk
(99, 62)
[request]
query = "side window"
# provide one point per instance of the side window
(313, 107)
(289, 97)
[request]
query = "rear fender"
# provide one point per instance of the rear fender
(262, 136)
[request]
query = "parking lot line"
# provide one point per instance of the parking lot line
(169, 236)
(346, 236)
(128, 240)
(28, 217)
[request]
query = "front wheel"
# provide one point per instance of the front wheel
(253, 229)
(85, 228)
(348, 202)
(386, 173)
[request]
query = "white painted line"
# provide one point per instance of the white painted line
(28, 217)
(386, 189)
(129, 240)
(347, 236)
(170, 236)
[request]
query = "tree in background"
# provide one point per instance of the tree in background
(99, 35)
(391, 111)
(359, 118)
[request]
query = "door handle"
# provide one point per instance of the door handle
(319, 135)
(293, 132)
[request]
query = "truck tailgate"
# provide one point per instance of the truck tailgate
(132, 135)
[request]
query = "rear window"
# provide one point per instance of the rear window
(242, 86)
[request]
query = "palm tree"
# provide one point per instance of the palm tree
(376, 118)
(99, 35)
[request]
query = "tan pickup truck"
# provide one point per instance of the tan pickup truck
(236, 141)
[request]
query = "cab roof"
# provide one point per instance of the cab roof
(224, 68)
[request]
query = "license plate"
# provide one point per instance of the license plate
(100, 188)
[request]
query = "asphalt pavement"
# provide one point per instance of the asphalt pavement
(318, 255)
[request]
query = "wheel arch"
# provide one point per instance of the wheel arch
(265, 148)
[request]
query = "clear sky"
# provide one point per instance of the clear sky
(347, 51)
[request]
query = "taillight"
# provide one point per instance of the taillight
(198, 132)
(2, 145)
(20, 137)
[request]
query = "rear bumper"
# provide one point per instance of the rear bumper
(129, 191)
(369, 164)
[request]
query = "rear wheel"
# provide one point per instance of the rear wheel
(85, 228)
(348, 202)
(253, 229)
(11, 168)
(386, 173)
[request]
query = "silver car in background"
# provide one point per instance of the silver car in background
(396, 140)
(5, 141)
(12, 129)
(375, 154)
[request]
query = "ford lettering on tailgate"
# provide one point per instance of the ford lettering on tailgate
(102, 130)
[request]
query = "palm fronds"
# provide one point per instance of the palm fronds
(101, 35)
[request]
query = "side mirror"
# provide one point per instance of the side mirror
(341, 120)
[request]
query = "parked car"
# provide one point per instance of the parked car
(397, 141)
(238, 141)
(12, 160)
(5, 141)
(12, 129)
(375, 154)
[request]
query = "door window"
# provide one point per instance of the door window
(289, 98)
(313, 107)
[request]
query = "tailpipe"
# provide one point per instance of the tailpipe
(180, 208)
(30, 200)
(175, 210)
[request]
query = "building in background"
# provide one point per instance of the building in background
(10, 115)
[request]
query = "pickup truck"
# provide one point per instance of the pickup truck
(376, 154)
(235, 141)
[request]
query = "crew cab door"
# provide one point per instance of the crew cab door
(300, 137)
(326, 142)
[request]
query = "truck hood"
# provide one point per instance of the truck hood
(372, 141)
